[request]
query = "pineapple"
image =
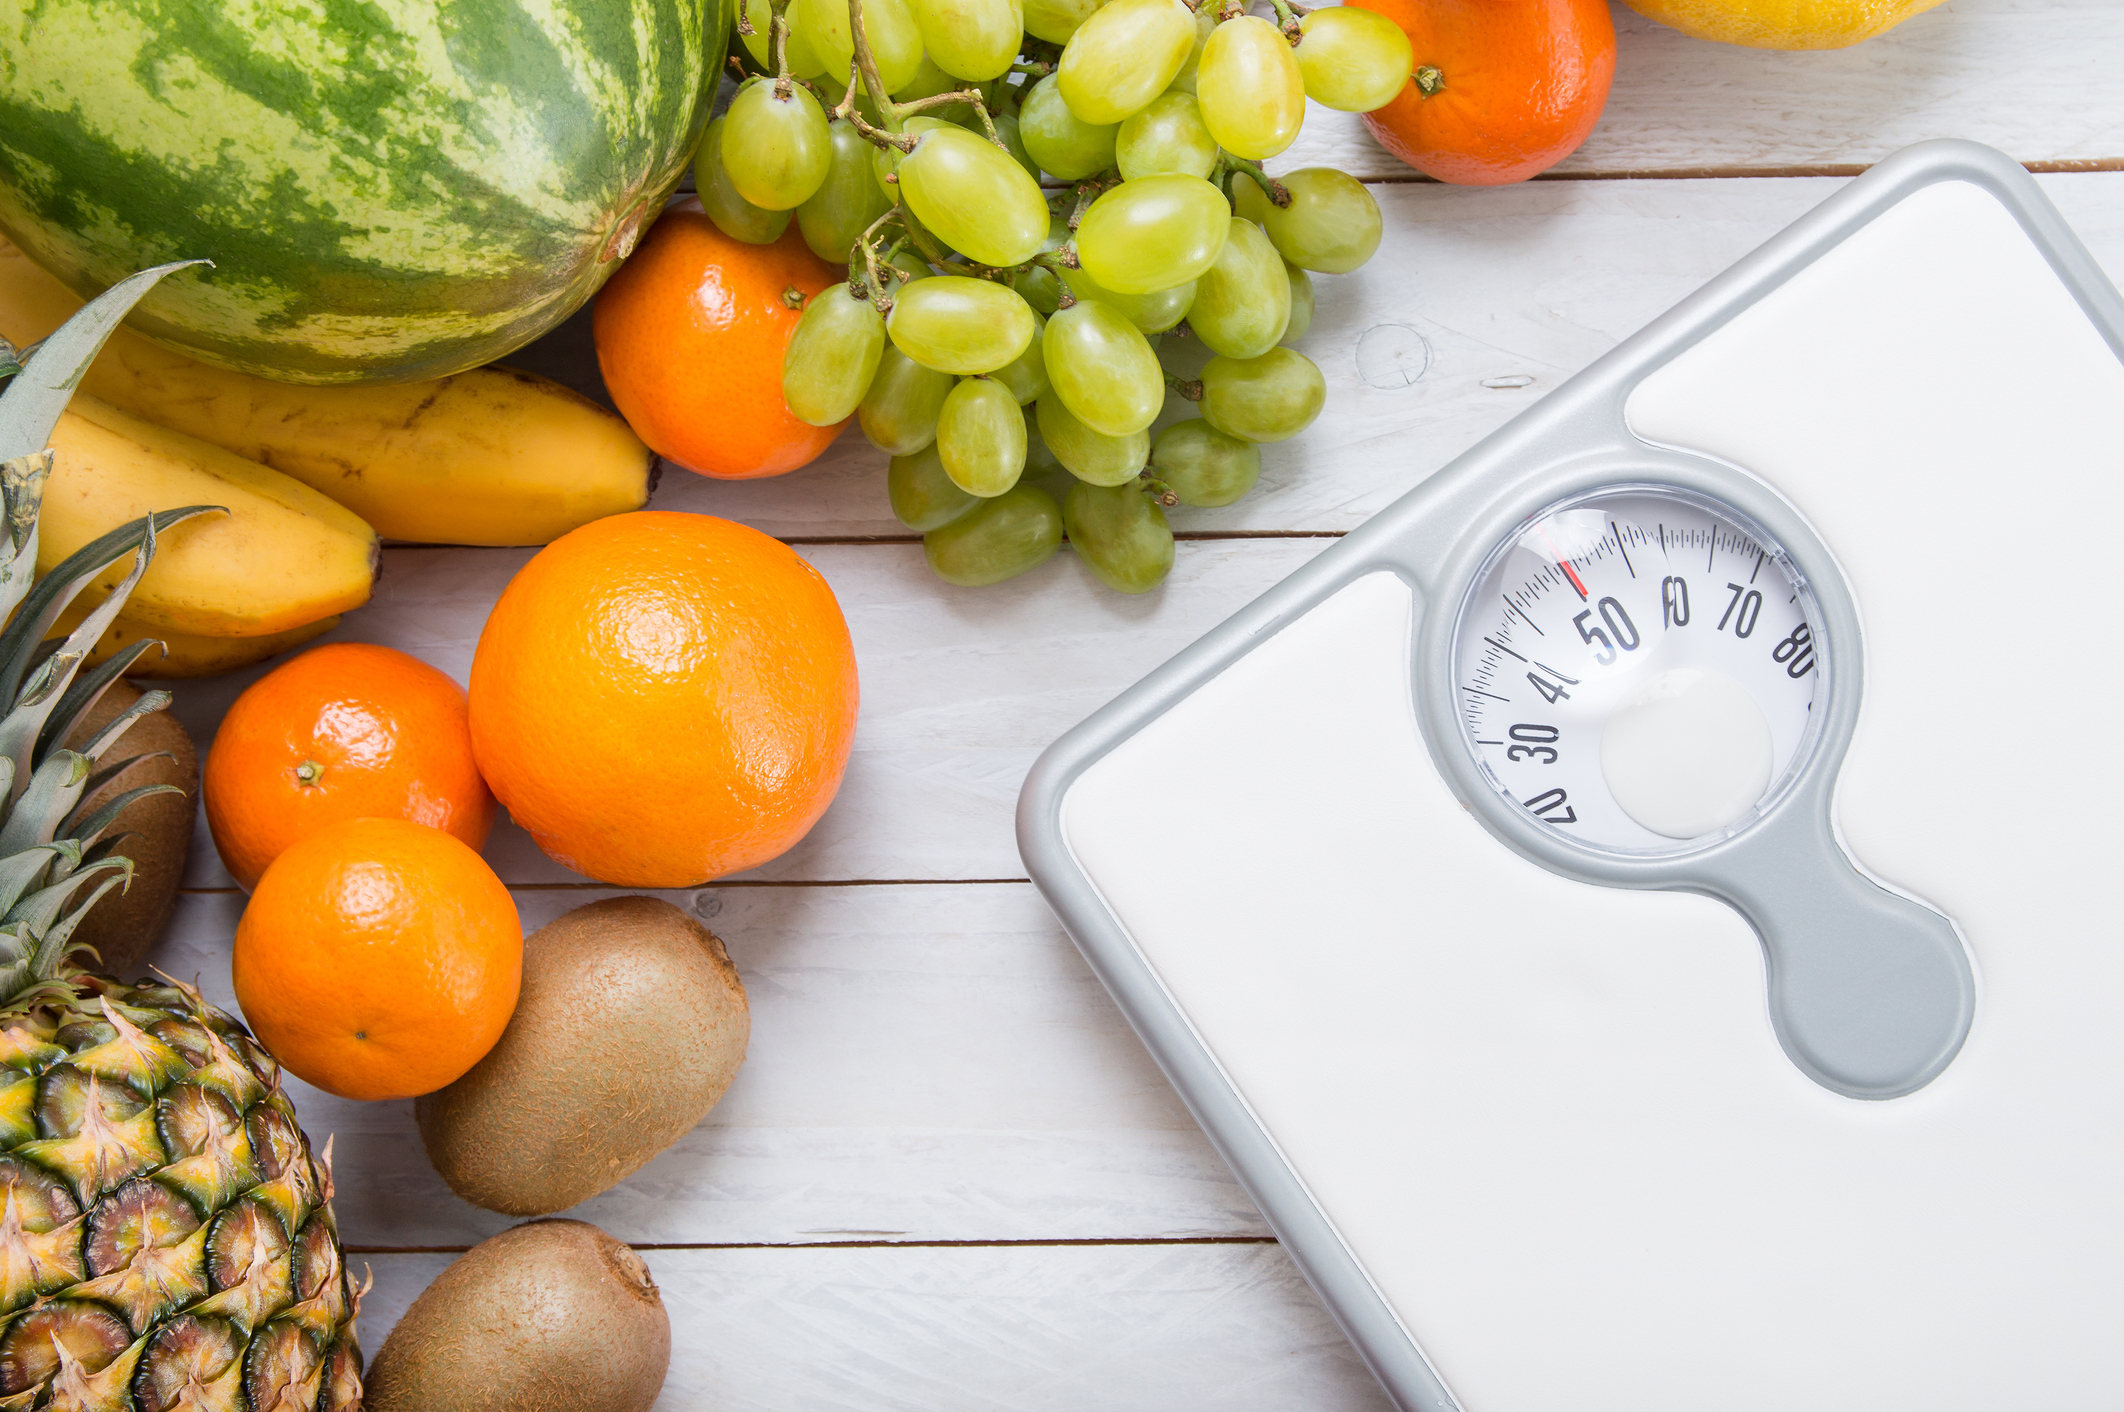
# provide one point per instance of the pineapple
(166, 1238)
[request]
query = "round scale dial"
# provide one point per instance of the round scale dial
(1636, 669)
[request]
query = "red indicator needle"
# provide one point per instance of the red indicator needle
(1562, 562)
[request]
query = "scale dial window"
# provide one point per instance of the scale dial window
(1637, 670)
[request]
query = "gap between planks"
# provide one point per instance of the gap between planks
(588, 885)
(1057, 1243)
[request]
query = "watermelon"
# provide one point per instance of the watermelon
(388, 189)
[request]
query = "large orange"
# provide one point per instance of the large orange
(378, 959)
(349, 731)
(662, 699)
(1503, 88)
(690, 336)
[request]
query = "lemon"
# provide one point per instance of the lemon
(1782, 24)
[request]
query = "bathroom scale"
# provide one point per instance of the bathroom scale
(1641, 914)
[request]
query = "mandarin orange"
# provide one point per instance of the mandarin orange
(349, 731)
(378, 958)
(664, 698)
(1503, 89)
(690, 335)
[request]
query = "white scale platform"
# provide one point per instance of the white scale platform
(1534, 1139)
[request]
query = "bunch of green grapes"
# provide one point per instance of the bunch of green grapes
(1001, 339)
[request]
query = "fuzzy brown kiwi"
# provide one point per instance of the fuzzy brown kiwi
(630, 1024)
(126, 923)
(554, 1316)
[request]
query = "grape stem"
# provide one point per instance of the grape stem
(1287, 20)
(963, 95)
(1190, 388)
(1037, 69)
(1157, 489)
(778, 26)
(1064, 258)
(867, 64)
(1278, 194)
(879, 299)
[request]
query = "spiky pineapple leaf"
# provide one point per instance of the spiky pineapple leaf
(84, 832)
(34, 400)
(82, 696)
(51, 794)
(44, 603)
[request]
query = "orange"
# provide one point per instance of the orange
(1503, 88)
(349, 731)
(378, 958)
(662, 699)
(690, 336)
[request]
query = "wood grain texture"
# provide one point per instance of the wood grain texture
(1070, 1329)
(2032, 78)
(927, 1063)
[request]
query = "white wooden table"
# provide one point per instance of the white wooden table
(948, 1176)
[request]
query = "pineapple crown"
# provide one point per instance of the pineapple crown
(57, 856)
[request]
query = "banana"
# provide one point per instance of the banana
(283, 556)
(491, 456)
(184, 654)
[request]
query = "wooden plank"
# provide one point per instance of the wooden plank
(1682, 105)
(1118, 1328)
(1494, 296)
(927, 1063)
(962, 688)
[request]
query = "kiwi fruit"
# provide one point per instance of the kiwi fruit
(630, 1024)
(554, 1316)
(125, 923)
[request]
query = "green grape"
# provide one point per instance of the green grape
(802, 61)
(733, 215)
(1060, 142)
(1252, 95)
(1102, 368)
(1026, 374)
(776, 151)
(846, 202)
(1039, 460)
(1090, 455)
(1039, 287)
(1168, 136)
(981, 437)
(1205, 26)
(1153, 233)
(928, 82)
(832, 357)
(1124, 56)
(1301, 303)
(899, 413)
(1353, 59)
(1009, 128)
(1056, 20)
(975, 40)
(1153, 313)
(956, 324)
(1331, 226)
(1204, 466)
(884, 161)
(974, 197)
(997, 539)
(1269, 398)
(923, 497)
(889, 25)
(1243, 301)
(1121, 533)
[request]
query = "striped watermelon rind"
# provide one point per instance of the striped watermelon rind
(389, 189)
